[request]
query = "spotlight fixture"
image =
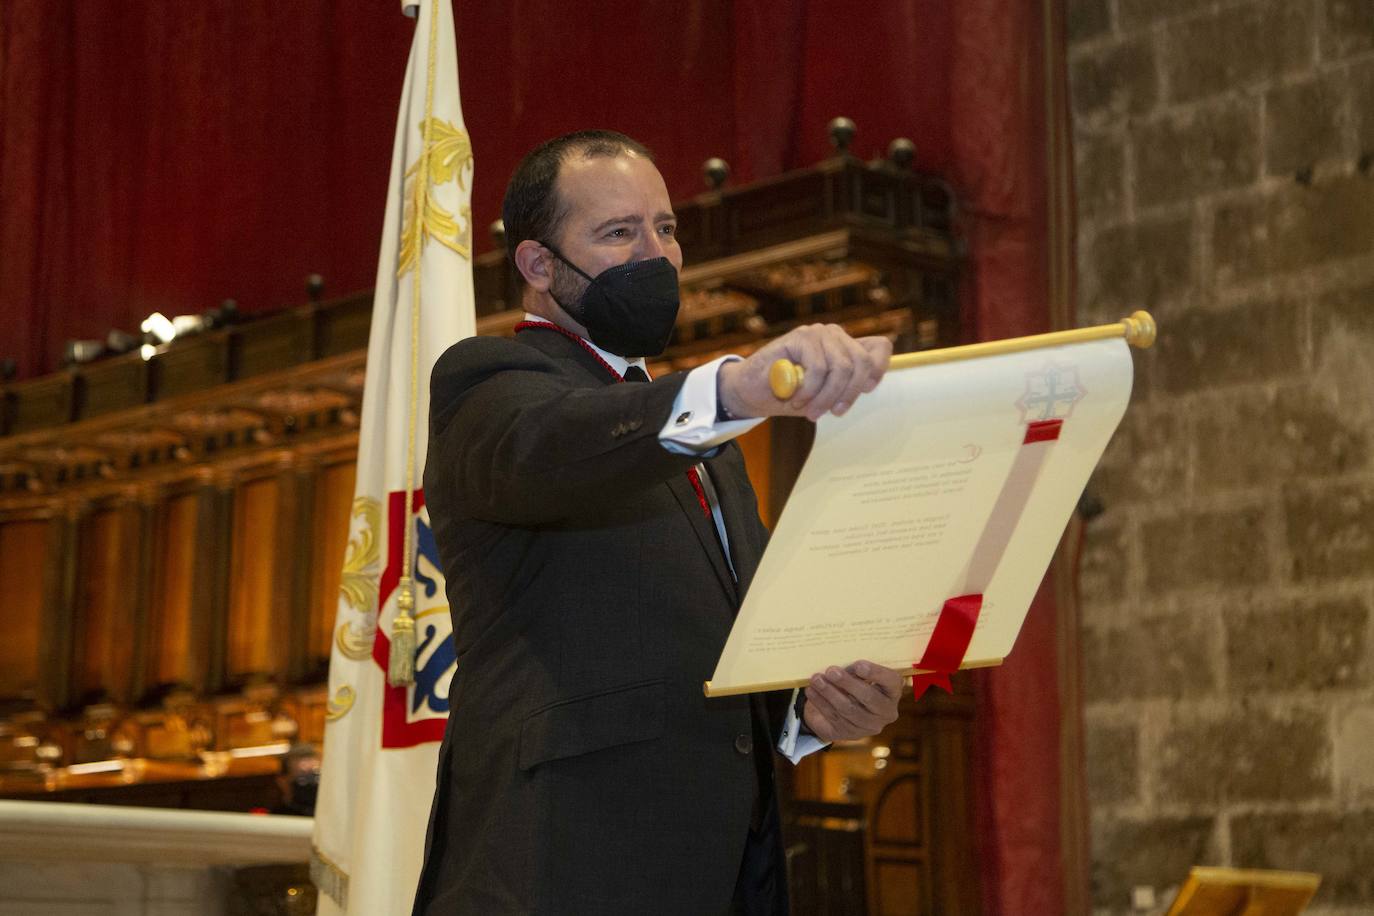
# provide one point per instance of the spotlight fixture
(158, 328)
(186, 325)
(225, 314)
(76, 352)
(118, 341)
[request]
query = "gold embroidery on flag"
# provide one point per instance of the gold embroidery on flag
(362, 558)
(355, 644)
(447, 154)
(339, 704)
(358, 585)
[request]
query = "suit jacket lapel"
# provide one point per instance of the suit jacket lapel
(727, 474)
(704, 528)
(560, 347)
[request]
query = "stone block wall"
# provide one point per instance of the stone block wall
(1225, 181)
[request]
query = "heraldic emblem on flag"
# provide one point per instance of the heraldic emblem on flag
(393, 655)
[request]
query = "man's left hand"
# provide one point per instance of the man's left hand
(852, 702)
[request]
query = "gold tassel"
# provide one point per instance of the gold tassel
(400, 669)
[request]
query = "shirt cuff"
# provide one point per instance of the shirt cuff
(793, 744)
(692, 428)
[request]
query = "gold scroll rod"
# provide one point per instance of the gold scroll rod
(785, 376)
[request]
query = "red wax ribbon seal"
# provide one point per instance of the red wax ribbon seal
(1042, 431)
(948, 644)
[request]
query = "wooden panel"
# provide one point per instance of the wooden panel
(295, 571)
(333, 505)
(173, 588)
(949, 800)
(227, 793)
(343, 326)
(494, 286)
(876, 198)
(112, 384)
(251, 646)
(309, 712)
(142, 557)
(898, 889)
(897, 814)
(273, 343)
(191, 365)
(757, 445)
(23, 548)
(791, 443)
(773, 211)
(58, 621)
(104, 639)
(41, 403)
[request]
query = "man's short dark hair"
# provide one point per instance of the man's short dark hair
(295, 754)
(532, 208)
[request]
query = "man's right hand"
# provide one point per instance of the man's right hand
(838, 367)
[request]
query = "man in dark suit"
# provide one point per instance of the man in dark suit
(598, 538)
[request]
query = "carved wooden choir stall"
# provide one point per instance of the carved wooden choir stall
(174, 531)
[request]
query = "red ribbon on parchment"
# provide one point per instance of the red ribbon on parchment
(954, 628)
(948, 644)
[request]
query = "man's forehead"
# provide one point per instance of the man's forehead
(627, 182)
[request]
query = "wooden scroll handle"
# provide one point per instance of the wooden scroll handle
(785, 376)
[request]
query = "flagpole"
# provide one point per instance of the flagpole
(400, 669)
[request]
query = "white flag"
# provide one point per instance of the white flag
(382, 740)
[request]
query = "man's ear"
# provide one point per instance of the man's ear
(535, 263)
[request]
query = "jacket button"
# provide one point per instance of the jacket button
(744, 744)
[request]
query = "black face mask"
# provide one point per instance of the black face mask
(629, 309)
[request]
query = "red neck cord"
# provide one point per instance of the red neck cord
(550, 326)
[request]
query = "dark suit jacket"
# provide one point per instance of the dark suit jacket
(583, 770)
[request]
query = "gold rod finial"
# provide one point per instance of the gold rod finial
(785, 377)
(1140, 329)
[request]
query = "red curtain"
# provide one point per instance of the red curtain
(998, 120)
(157, 157)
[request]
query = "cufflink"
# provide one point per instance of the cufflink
(683, 418)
